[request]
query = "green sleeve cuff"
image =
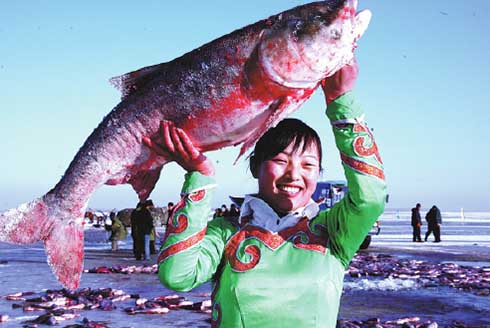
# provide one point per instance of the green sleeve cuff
(196, 181)
(344, 108)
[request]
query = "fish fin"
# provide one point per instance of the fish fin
(280, 109)
(64, 248)
(63, 239)
(143, 182)
(135, 80)
(25, 224)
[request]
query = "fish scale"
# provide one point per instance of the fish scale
(225, 93)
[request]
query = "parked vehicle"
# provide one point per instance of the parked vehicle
(330, 192)
(375, 230)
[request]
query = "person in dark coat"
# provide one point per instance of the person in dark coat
(434, 221)
(138, 237)
(416, 223)
(141, 227)
(146, 227)
(167, 213)
(234, 211)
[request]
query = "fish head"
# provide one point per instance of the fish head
(304, 45)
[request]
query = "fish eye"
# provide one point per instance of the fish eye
(317, 18)
(335, 34)
(296, 24)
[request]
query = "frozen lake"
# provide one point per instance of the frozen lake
(464, 242)
(468, 235)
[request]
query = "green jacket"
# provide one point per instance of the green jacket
(291, 278)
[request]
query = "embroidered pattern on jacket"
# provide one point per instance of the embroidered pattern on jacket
(361, 150)
(178, 224)
(244, 242)
(359, 142)
(198, 195)
(181, 245)
(362, 166)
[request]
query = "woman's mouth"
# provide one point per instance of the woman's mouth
(290, 190)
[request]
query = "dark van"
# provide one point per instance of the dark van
(329, 192)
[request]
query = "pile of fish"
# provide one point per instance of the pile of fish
(466, 278)
(413, 322)
(62, 305)
(472, 279)
(124, 269)
(163, 304)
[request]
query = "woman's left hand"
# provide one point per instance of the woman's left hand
(341, 82)
(178, 147)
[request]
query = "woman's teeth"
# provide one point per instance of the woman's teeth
(289, 189)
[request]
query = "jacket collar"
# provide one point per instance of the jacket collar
(264, 216)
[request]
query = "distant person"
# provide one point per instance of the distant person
(434, 221)
(234, 211)
(153, 233)
(416, 224)
(167, 213)
(139, 219)
(147, 227)
(224, 210)
(118, 231)
(90, 216)
(138, 246)
(217, 213)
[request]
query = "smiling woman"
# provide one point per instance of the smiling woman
(282, 260)
(287, 163)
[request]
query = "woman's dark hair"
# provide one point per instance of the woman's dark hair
(280, 137)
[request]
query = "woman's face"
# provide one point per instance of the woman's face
(287, 181)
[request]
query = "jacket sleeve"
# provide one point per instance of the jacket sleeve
(350, 220)
(192, 249)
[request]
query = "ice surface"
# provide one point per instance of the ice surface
(391, 284)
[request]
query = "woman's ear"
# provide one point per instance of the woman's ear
(254, 168)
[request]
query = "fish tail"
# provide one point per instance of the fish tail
(40, 220)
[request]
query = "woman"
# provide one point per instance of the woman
(282, 262)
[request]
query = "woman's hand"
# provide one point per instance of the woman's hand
(341, 82)
(178, 147)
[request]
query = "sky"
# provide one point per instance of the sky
(424, 84)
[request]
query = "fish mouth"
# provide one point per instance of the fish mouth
(361, 23)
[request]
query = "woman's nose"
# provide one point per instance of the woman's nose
(293, 171)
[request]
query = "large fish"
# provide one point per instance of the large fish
(227, 92)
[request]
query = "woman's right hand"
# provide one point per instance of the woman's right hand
(177, 146)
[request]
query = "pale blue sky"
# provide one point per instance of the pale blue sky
(424, 84)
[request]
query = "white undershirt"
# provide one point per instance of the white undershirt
(265, 217)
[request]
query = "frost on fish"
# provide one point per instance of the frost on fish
(225, 93)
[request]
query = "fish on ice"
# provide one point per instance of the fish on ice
(227, 92)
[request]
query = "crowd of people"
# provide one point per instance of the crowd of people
(143, 220)
(434, 222)
(144, 235)
(223, 211)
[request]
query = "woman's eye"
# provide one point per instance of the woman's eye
(279, 160)
(310, 165)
